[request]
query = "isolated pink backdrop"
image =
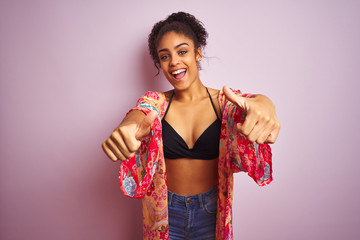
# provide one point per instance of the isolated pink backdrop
(70, 70)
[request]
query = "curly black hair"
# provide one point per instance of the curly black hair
(180, 22)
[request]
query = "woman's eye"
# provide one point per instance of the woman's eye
(182, 52)
(164, 57)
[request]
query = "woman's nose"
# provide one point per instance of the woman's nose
(174, 60)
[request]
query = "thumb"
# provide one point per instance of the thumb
(144, 126)
(239, 101)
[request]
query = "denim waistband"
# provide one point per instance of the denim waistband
(197, 199)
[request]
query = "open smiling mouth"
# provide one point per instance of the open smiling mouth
(179, 74)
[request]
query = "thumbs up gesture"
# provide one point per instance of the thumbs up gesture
(261, 124)
(125, 140)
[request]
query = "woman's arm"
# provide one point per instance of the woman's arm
(261, 124)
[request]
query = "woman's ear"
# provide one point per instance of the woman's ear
(198, 54)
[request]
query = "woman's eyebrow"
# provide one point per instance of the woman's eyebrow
(177, 46)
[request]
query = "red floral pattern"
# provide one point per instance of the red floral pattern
(144, 175)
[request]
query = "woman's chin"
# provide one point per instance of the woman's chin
(179, 83)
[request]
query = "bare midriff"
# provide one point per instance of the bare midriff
(191, 176)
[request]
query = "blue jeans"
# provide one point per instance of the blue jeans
(193, 217)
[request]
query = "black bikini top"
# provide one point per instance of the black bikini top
(206, 146)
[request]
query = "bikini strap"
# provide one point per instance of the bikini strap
(212, 104)
(167, 109)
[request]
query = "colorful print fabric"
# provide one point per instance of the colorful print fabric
(144, 175)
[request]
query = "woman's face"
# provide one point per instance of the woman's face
(177, 57)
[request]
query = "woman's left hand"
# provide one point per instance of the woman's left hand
(261, 124)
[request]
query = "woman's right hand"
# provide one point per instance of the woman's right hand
(125, 140)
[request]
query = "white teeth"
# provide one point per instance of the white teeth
(178, 71)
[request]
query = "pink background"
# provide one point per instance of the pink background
(69, 71)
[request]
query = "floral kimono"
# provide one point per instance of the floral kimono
(144, 175)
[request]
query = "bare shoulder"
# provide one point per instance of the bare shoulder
(214, 93)
(167, 94)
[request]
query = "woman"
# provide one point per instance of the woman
(179, 149)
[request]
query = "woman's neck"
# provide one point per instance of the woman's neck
(195, 92)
